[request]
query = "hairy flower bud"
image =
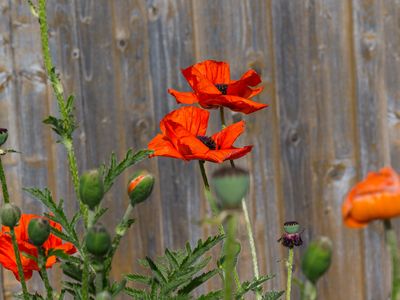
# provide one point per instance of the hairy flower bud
(140, 186)
(98, 240)
(38, 231)
(10, 215)
(231, 186)
(317, 259)
(292, 235)
(3, 135)
(91, 188)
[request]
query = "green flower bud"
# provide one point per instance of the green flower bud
(231, 186)
(140, 186)
(91, 188)
(317, 259)
(10, 215)
(98, 241)
(104, 295)
(38, 231)
(3, 135)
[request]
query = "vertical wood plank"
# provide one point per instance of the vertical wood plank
(373, 134)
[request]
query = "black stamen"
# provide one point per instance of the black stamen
(208, 141)
(3, 130)
(222, 87)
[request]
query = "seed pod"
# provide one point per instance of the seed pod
(98, 241)
(3, 135)
(104, 295)
(291, 227)
(231, 186)
(38, 231)
(292, 235)
(317, 259)
(10, 215)
(140, 186)
(91, 188)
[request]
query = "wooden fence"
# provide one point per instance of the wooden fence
(330, 70)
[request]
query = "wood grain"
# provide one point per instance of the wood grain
(329, 68)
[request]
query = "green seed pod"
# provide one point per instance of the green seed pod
(98, 241)
(231, 186)
(291, 227)
(38, 231)
(3, 135)
(317, 259)
(91, 188)
(104, 295)
(140, 186)
(10, 215)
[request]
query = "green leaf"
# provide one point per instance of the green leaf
(197, 281)
(214, 295)
(138, 278)
(254, 285)
(156, 271)
(273, 295)
(117, 287)
(115, 169)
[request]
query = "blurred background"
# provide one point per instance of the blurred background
(330, 70)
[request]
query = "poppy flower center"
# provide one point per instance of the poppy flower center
(222, 87)
(208, 141)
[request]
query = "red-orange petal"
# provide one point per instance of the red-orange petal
(227, 136)
(235, 103)
(184, 97)
(216, 72)
(163, 147)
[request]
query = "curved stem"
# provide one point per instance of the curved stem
(222, 116)
(251, 238)
(229, 264)
(43, 273)
(3, 180)
(391, 241)
(289, 274)
(19, 264)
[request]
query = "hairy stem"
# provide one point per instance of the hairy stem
(391, 241)
(289, 265)
(19, 264)
(222, 116)
(43, 273)
(3, 180)
(229, 264)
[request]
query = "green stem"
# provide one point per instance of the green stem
(229, 264)
(120, 231)
(222, 116)
(85, 279)
(43, 273)
(19, 264)
(391, 241)
(309, 291)
(289, 273)
(3, 180)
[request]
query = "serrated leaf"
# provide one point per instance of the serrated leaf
(156, 271)
(214, 295)
(273, 295)
(171, 258)
(117, 287)
(253, 285)
(197, 281)
(136, 293)
(138, 278)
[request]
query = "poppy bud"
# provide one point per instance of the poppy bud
(140, 186)
(91, 188)
(98, 240)
(317, 259)
(38, 231)
(231, 186)
(10, 215)
(292, 236)
(3, 136)
(104, 295)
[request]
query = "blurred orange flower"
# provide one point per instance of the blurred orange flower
(184, 137)
(213, 87)
(376, 197)
(7, 256)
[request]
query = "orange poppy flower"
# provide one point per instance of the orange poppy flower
(184, 137)
(376, 197)
(7, 256)
(213, 87)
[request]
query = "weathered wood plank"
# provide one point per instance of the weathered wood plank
(372, 129)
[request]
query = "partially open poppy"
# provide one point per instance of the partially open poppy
(376, 197)
(213, 87)
(184, 137)
(7, 256)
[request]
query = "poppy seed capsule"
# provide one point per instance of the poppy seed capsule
(317, 259)
(98, 240)
(291, 227)
(291, 236)
(10, 215)
(38, 231)
(91, 188)
(140, 186)
(230, 186)
(3, 135)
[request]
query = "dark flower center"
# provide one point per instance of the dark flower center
(208, 141)
(222, 87)
(3, 130)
